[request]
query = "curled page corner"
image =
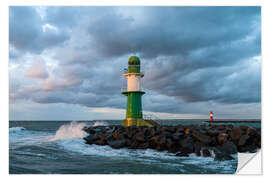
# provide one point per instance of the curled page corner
(249, 163)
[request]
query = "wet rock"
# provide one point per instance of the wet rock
(152, 144)
(251, 148)
(152, 132)
(154, 139)
(117, 144)
(206, 153)
(130, 134)
(111, 130)
(146, 132)
(174, 149)
(243, 128)
(221, 127)
(160, 148)
(228, 147)
(169, 143)
(179, 128)
(213, 142)
(251, 131)
(167, 134)
(109, 137)
(128, 142)
(235, 133)
(100, 142)
(118, 136)
(98, 129)
(140, 137)
(202, 131)
(170, 129)
(162, 140)
(197, 148)
(243, 139)
(143, 145)
(222, 138)
(182, 154)
(176, 136)
(95, 137)
(201, 137)
(212, 132)
(120, 129)
(134, 145)
(89, 139)
(90, 130)
(102, 137)
(222, 156)
(187, 145)
(141, 129)
(258, 142)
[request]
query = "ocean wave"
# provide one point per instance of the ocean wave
(16, 129)
(148, 156)
(20, 136)
(78, 145)
(70, 131)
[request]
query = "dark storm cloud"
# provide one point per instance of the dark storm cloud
(26, 31)
(227, 84)
(171, 31)
(192, 56)
(64, 16)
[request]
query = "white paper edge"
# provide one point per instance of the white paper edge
(249, 163)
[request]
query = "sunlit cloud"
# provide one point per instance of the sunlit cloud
(38, 70)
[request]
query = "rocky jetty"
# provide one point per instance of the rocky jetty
(218, 141)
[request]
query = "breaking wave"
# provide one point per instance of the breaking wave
(69, 131)
(16, 129)
(148, 156)
(67, 142)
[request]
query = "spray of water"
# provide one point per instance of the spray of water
(69, 131)
(100, 123)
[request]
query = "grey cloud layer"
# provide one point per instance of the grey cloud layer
(190, 55)
(26, 31)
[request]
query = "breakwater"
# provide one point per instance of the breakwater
(218, 141)
(234, 121)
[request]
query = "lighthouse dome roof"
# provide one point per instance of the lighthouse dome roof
(134, 60)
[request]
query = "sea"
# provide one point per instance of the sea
(57, 147)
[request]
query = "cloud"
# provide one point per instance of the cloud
(26, 31)
(178, 31)
(38, 70)
(194, 58)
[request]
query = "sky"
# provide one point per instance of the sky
(66, 63)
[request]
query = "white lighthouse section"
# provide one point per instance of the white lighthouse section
(133, 82)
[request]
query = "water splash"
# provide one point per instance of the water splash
(100, 123)
(16, 129)
(69, 131)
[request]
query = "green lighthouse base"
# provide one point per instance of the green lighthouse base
(136, 122)
(134, 115)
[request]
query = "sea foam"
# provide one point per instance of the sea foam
(100, 123)
(69, 131)
(16, 129)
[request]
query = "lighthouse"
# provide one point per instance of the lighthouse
(211, 116)
(133, 91)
